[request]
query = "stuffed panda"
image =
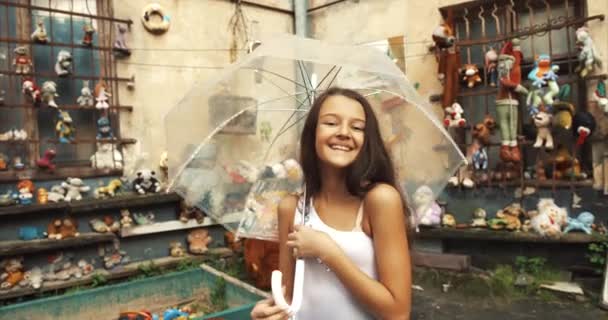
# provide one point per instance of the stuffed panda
(146, 182)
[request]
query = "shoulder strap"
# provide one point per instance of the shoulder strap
(359, 218)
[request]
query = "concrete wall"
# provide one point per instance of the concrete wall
(159, 88)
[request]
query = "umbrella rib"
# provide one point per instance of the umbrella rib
(284, 91)
(305, 83)
(335, 76)
(325, 77)
(282, 77)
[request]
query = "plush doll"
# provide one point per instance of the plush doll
(89, 31)
(542, 121)
(102, 95)
(120, 44)
(146, 182)
(49, 92)
(3, 162)
(109, 190)
(198, 240)
(600, 96)
(566, 166)
(99, 226)
(104, 130)
(125, 218)
(73, 187)
(63, 66)
(12, 272)
(544, 74)
(491, 61)
(65, 127)
(186, 213)
(479, 218)
(18, 163)
(143, 218)
(106, 157)
(583, 222)
(111, 224)
(31, 92)
(53, 230)
(176, 249)
(86, 97)
(56, 194)
(46, 162)
(453, 116)
(26, 189)
(39, 35)
(476, 155)
(507, 218)
(448, 220)
(428, 212)
(22, 62)
(42, 196)
(32, 278)
(588, 56)
(583, 125)
(471, 75)
(557, 214)
(448, 58)
(69, 228)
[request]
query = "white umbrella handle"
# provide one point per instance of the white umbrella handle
(298, 289)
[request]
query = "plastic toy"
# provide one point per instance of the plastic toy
(46, 162)
(63, 66)
(89, 31)
(39, 35)
(73, 187)
(49, 92)
(25, 196)
(583, 222)
(86, 98)
(198, 240)
(146, 182)
(588, 56)
(22, 62)
(65, 127)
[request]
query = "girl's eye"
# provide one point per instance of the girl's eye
(330, 123)
(358, 128)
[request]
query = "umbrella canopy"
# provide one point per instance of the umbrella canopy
(233, 141)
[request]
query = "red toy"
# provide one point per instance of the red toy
(31, 91)
(46, 162)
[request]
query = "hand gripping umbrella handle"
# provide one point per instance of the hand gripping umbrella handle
(298, 288)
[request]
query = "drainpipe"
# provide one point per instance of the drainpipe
(300, 13)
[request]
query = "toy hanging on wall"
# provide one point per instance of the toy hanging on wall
(491, 61)
(542, 120)
(73, 187)
(583, 125)
(46, 162)
(12, 272)
(146, 182)
(156, 26)
(543, 75)
(2, 93)
(428, 213)
(471, 75)
(583, 222)
(588, 56)
(49, 92)
(125, 218)
(3, 162)
(102, 95)
(104, 130)
(31, 92)
(198, 240)
(42, 196)
(509, 69)
(120, 44)
(86, 97)
(26, 189)
(89, 31)
(22, 62)
(63, 66)
(448, 58)
(453, 116)
(600, 96)
(107, 156)
(65, 127)
(109, 190)
(39, 35)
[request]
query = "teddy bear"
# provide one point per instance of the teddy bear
(454, 116)
(557, 214)
(146, 182)
(175, 249)
(542, 121)
(428, 212)
(125, 218)
(186, 213)
(49, 92)
(507, 218)
(68, 228)
(39, 35)
(32, 278)
(53, 230)
(63, 66)
(86, 98)
(107, 156)
(31, 91)
(198, 240)
(566, 165)
(56, 194)
(22, 62)
(74, 187)
(471, 75)
(12, 272)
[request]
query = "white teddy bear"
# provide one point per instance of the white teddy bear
(74, 187)
(549, 219)
(454, 116)
(106, 157)
(428, 212)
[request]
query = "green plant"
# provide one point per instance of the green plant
(186, 264)
(218, 295)
(98, 280)
(149, 269)
(533, 265)
(597, 254)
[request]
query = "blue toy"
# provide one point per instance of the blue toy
(65, 127)
(543, 74)
(172, 314)
(583, 222)
(104, 130)
(480, 159)
(31, 233)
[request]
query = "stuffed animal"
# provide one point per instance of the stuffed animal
(143, 218)
(600, 96)
(588, 56)
(583, 125)
(479, 218)
(39, 35)
(583, 222)
(53, 230)
(428, 212)
(120, 44)
(125, 218)
(566, 165)
(146, 182)
(108, 224)
(49, 92)
(65, 127)
(557, 214)
(30, 233)
(491, 61)
(471, 75)
(448, 220)
(102, 95)
(477, 155)
(454, 116)
(25, 189)
(109, 190)
(541, 223)
(448, 60)
(231, 242)
(22, 62)
(68, 228)
(104, 130)
(42, 196)
(542, 121)
(507, 218)
(63, 66)
(175, 249)
(86, 98)
(198, 240)
(186, 213)
(32, 278)
(46, 162)
(73, 187)
(107, 156)
(89, 31)
(12, 272)
(261, 258)
(31, 91)
(545, 74)
(56, 194)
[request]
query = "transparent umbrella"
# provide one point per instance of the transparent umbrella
(233, 141)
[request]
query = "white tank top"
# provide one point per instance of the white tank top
(324, 295)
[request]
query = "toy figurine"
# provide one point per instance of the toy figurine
(56, 194)
(471, 75)
(73, 187)
(102, 95)
(107, 156)
(146, 182)
(448, 58)
(69, 228)
(175, 249)
(89, 31)
(46, 162)
(25, 195)
(428, 212)
(125, 218)
(600, 96)
(583, 125)
(31, 92)
(3, 162)
(120, 44)
(491, 61)
(63, 66)
(42, 196)
(583, 222)
(479, 218)
(49, 92)
(448, 220)
(543, 74)
(39, 35)
(453, 116)
(143, 218)
(109, 190)
(12, 272)
(31, 233)
(507, 218)
(509, 69)
(104, 130)
(588, 56)
(198, 240)
(53, 228)
(542, 121)
(65, 128)
(18, 163)
(86, 98)
(22, 62)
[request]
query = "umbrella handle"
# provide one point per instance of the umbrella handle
(298, 289)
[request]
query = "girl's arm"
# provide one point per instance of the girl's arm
(286, 210)
(389, 297)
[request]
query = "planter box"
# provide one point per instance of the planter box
(150, 293)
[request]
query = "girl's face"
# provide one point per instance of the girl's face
(340, 131)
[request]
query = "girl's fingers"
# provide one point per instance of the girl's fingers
(290, 244)
(292, 236)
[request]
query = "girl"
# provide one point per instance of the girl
(354, 240)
